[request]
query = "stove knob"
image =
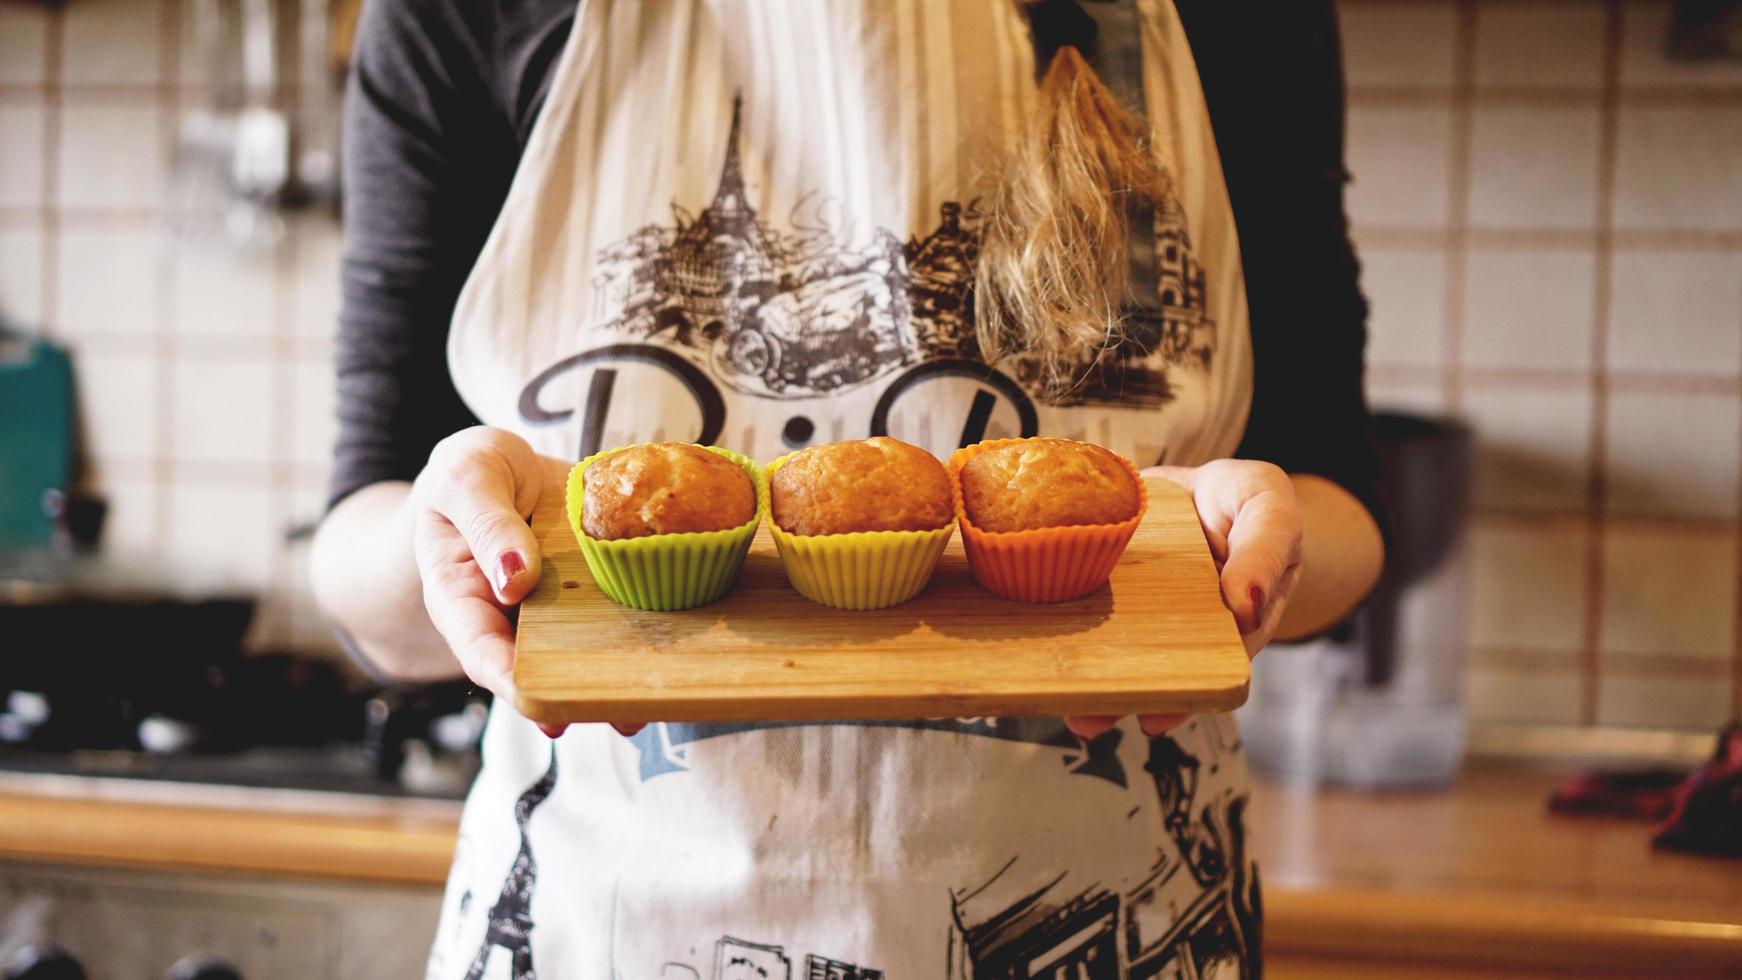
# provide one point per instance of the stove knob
(202, 968)
(43, 963)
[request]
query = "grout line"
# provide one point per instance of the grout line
(53, 42)
(1546, 96)
(1597, 484)
(1458, 205)
(1625, 663)
(281, 583)
(168, 66)
(1546, 239)
(1659, 525)
(1736, 624)
(1563, 379)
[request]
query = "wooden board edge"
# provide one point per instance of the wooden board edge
(803, 708)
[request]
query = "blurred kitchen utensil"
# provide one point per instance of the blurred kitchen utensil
(36, 436)
(268, 138)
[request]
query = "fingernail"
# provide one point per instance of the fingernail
(1257, 596)
(509, 565)
(552, 731)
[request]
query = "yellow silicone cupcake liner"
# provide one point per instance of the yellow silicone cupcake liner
(1049, 564)
(664, 572)
(857, 571)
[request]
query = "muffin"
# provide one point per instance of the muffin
(664, 526)
(860, 525)
(665, 488)
(877, 484)
(1033, 483)
(1044, 520)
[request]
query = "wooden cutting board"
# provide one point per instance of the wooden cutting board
(1156, 639)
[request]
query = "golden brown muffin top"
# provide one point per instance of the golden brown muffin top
(1038, 483)
(664, 488)
(877, 484)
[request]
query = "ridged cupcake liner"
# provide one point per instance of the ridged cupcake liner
(1049, 564)
(664, 572)
(857, 571)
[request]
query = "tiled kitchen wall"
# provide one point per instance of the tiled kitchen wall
(1549, 211)
(203, 371)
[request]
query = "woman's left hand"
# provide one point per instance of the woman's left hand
(1250, 519)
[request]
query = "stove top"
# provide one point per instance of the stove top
(336, 769)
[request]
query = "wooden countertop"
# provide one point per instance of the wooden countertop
(1479, 877)
(1486, 875)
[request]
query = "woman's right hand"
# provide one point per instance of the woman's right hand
(476, 555)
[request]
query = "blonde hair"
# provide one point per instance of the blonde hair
(1053, 277)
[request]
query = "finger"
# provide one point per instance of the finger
(1263, 545)
(551, 731)
(483, 508)
(461, 606)
(1214, 521)
(1155, 725)
(627, 730)
(1090, 727)
(1259, 638)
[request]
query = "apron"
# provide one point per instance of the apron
(754, 223)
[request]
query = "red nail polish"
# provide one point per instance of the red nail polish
(1257, 597)
(508, 566)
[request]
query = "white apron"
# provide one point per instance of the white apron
(753, 223)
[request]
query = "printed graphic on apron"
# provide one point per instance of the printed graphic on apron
(510, 925)
(1193, 914)
(801, 313)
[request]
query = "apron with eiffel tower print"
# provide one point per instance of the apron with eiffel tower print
(754, 223)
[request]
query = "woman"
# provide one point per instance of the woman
(765, 225)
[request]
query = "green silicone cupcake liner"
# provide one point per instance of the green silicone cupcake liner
(861, 570)
(664, 572)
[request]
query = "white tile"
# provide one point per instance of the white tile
(1553, 44)
(21, 276)
(1678, 167)
(1533, 167)
(117, 396)
(1673, 454)
(1527, 585)
(1668, 592)
(1400, 161)
(226, 530)
(1529, 309)
(1645, 59)
(1406, 297)
(1532, 447)
(21, 154)
(1676, 311)
(314, 422)
(1523, 696)
(223, 291)
(23, 41)
(111, 155)
(1695, 704)
(131, 526)
(1398, 43)
(223, 409)
(318, 244)
(108, 281)
(113, 42)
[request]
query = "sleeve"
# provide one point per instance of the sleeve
(1280, 132)
(428, 156)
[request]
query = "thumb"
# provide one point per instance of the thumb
(1263, 545)
(483, 511)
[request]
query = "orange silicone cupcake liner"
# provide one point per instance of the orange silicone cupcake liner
(1049, 564)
